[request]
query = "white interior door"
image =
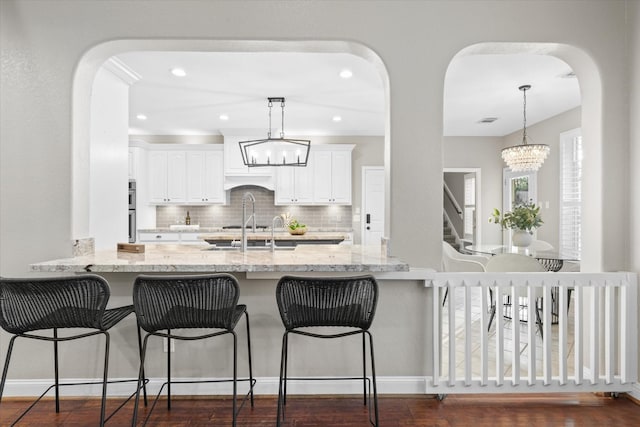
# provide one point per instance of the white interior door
(372, 205)
(470, 197)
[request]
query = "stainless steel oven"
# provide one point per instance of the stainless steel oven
(132, 225)
(132, 211)
(132, 194)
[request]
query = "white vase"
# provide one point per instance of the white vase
(521, 238)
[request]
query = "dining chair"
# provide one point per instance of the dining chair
(29, 307)
(343, 302)
(200, 307)
(454, 261)
(541, 245)
(516, 263)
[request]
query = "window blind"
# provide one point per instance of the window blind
(571, 194)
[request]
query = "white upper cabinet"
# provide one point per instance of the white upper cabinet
(332, 174)
(167, 181)
(294, 184)
(233, 164)
(205, 175)
(186, 176)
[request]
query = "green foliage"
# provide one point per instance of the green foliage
(294, 224)
(525, 216)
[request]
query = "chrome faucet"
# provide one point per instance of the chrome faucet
(247, 196)
(273, 229)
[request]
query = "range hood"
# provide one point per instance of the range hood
(265, 181)
(236, 173)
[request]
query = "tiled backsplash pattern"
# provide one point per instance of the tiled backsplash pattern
(231, 214)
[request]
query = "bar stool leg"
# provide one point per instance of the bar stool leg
(144, 381)
(169, 370)
(373, 378)
(249, 355)
(5, 370)
(283, 379)
(143, 354)
(55, 368)
(235, 376)
(364, 370)
(103, 406)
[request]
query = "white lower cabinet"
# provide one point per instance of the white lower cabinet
(161, 237)
(149, 237)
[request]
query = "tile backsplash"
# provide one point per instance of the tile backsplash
(231, 214)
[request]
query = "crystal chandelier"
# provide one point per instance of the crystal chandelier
(525, 157)
(275, 151)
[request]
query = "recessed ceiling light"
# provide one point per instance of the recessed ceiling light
(337, 119)
(346, 74)
(141, 117)
(178, 72)
(488, 120)
(223, 117)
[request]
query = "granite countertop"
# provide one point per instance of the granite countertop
(279, 235)
(163, 258)
(212, 230)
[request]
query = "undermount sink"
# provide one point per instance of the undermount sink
(184, 227)
(249, 248)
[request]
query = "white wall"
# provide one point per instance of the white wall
(109, 152)
(634, 152)
(51, 51)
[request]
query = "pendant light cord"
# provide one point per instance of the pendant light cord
(282, 120)
(282, 128)
(269, 133)
(524, 114)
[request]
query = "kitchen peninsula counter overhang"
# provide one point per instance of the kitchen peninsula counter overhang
(182, 258)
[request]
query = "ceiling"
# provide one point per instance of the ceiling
(237, 85)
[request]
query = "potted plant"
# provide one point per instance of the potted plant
(296, 228)
(523, 219)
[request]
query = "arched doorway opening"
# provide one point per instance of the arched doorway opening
(587, 116)
(95, 58)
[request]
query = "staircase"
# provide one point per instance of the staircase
(448, 234)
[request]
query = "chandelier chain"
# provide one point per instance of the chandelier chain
(282, 128)
(270, 104)
(524, 114)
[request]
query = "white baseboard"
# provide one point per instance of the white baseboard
(264, 386)
(635, 391)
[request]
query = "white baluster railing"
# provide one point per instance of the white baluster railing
(602, 324)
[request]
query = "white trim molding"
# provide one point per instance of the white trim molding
(264, 386)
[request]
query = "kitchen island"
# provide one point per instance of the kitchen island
(184, 258)
(400, 328)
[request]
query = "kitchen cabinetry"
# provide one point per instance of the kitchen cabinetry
(167, 177)
(164, 237)
(332, 174)
(233, 164)
(294, 185)
(192, 176)
(205, 177)
(148, 237)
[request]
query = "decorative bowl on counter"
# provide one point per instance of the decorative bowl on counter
(298, 231)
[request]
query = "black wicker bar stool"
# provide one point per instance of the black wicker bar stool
(166, 303)
(348, 302)
(28, 305)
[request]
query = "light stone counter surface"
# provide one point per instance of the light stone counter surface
(278, 235)
(196, 259)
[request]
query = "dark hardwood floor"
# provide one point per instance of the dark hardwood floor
(574, 410)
